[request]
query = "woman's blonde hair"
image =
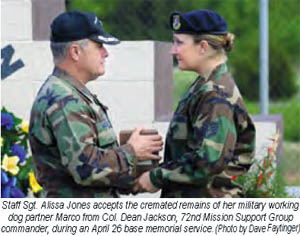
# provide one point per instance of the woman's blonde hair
(221, 43)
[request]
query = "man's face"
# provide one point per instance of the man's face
(93, 60)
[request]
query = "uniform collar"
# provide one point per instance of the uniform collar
(219, 69)
(60, 73)
(214, 74)
(80, 87)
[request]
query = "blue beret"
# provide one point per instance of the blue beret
(76, 25)
(198, 22)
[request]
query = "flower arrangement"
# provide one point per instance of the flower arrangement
(17, 176)
(264, 180)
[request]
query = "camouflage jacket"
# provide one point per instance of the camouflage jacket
(211, 138)
(74, 147)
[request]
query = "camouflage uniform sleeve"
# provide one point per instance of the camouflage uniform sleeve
(78, 136)
(212, 142)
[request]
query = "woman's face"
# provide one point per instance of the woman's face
(186, 52)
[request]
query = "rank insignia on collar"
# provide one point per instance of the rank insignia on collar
(176, 22)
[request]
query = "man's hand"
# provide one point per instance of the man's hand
(144, 184)
(145, 145)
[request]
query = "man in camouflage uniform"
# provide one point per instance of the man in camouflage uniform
(211, 137)
(74, 147)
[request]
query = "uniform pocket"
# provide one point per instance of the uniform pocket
(106, 134)
(179, 130)
(178, 124)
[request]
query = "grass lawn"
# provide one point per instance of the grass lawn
(291, 163)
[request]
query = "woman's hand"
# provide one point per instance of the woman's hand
(144, 184)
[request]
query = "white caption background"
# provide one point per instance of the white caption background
(128, 216)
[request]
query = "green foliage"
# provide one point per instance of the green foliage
(284, 42)
(291, 162)
(264, 178)
(283, 79)
(182, 81)
(148, 20)
(290, 110)
(276, 186)
(282, 75)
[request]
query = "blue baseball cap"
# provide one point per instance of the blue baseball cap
(76, 25)
(198, 22)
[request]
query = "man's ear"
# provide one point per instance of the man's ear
(74, 52)
(203, 46)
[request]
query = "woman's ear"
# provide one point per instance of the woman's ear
(203, 46)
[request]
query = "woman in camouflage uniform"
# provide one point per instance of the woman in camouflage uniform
(211, 137)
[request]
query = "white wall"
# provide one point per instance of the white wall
(127, 87)
(16, 21)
